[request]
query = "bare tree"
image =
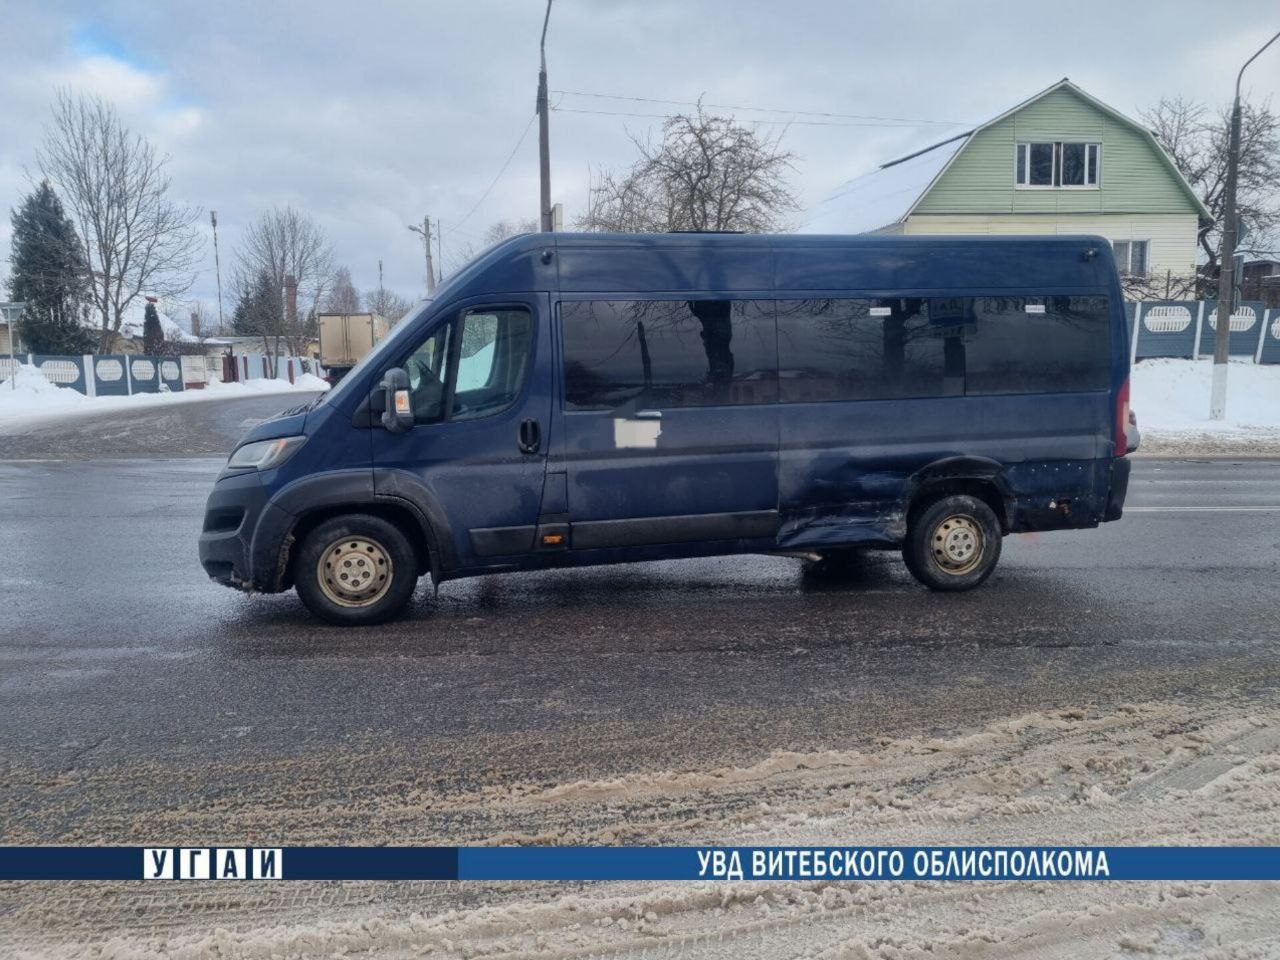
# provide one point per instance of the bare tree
(136, 239)
(343, 297)
(460, 255)
(1196, 139)
(707, 173)
(387, 303)
(1163, 286)
(280, 244)
(505, 229)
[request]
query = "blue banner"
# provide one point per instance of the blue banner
(639, 863)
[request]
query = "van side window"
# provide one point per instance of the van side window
(1037, 344)
(869, 349)
(482, 355)
(668, 353)
(427, 367)
(493, 360)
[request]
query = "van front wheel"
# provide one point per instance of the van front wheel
(953, 543)
(354, 570)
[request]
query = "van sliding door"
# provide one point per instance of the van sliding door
(669, 420)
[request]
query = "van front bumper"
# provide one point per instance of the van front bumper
(231, 517)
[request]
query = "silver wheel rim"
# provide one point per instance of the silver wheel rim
(957, 545)
(354, 572)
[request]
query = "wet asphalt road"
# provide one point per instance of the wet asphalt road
(130, 685)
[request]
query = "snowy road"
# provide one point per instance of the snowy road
(1117, 685)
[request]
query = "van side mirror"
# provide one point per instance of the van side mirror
(397, 411)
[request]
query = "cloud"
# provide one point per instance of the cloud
(131, 89)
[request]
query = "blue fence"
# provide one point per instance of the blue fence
(108, 375)
(144, 374)
(1188, 328)
(1269, 351)
(64, 371)
(119, 374)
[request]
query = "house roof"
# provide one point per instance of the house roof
(135, 316)
(891, 193)
(882, 197)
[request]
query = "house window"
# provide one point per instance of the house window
(1131, 257)
(1057, 164)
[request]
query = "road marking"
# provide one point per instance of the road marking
(1241, 509)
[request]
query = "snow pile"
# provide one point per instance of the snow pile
(304, 381)
(1171, 400)
(30, 397)
(309, 381)
(30, 389)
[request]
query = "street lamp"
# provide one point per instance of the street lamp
(1227, 272)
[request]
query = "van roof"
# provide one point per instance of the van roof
(618, 263)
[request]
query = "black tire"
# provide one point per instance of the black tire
(953, 543)
(362, 547)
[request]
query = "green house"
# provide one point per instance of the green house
(1059, 162)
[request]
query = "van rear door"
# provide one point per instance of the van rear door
(669, 421)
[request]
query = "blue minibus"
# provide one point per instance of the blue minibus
(572, 399)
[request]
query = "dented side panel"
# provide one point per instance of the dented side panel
(848, 472)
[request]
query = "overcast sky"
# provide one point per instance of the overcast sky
(368, 115)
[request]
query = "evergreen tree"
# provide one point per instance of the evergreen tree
(48, 275)
(258, 311)
(152, 332)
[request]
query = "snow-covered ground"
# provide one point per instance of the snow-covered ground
(1171, 400)
(31, 398)
(1152, 772)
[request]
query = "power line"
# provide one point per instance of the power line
(781, 123)
(485, 196)
(729, 106)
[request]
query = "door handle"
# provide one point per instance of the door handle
(530, 436)
(648, 415)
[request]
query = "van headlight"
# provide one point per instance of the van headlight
(264, 454)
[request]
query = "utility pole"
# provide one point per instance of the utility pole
(544, 145)
(1227, 270)
(425, 231)
(217, 266)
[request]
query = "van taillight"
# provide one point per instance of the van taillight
(1122, 419)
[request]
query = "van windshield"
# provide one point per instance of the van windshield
(398, 332)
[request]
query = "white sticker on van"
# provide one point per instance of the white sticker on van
(881, 311)
(1035, 308)
(636, 434)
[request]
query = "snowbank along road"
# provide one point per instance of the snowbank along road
(1109, 686)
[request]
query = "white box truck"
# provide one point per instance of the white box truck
(345, 338)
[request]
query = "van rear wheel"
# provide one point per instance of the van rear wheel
(355, 569)
(953, 543)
